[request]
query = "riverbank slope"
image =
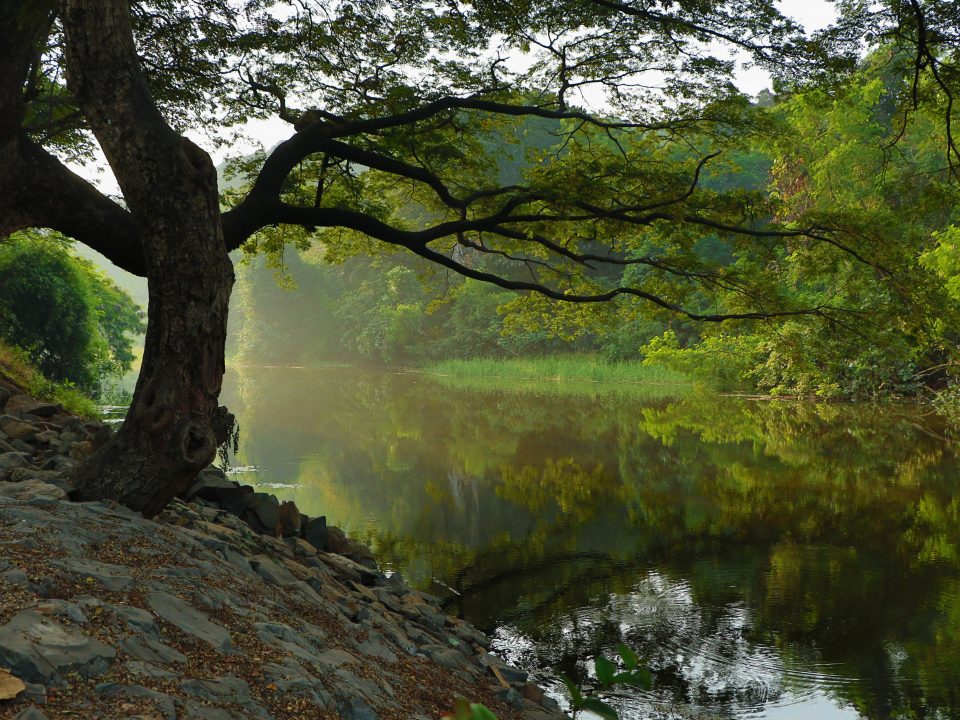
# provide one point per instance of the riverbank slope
(200, 614)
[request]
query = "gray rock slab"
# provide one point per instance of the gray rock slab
(351, 687)
(195, 710)
(225, 690)
(115, 578)
(63, 608)
(149, 669)
(31, 490)
(16, 576)
(356, 709)
(151, 651)
(137, 619)
(228, 689)
(31, 713)
(163, 701)
(190, 620)
(272, 572)
(376, 646)
(37, 649)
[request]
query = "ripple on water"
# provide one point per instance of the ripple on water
(705, 664)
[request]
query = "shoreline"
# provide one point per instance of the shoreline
(203, 612)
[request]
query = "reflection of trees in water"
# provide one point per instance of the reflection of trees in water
(834, 528)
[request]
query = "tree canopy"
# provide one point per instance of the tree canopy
(399, 112)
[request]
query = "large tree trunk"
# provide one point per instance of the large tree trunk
(170, 187)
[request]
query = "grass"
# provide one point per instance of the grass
(582, 375)
(15, 366)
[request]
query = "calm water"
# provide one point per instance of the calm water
(768, 560)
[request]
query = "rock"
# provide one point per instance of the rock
(22, 446)
(163, 701)
(267, 509)
(37, 649)
(62, 608)
(356, 709)
(532, 692)
(31, 490)
(193, 622)
(137, 619)
(338, 542)
(47, 477)
(17, 404)
(4, 396)
(272, 572)
(288, 520)
(18, 577)
(81, 450)
(228, 689)
(193, 710)
(44, 410)
(12, 460)
(59, 463)
(151, 651)
(19, 430)
(211, 484)
(259, 510)
(47, 436)
(510, 696)
(115, 578)
(31, 713)
(148, 669)
(28, 473)
(314, 531)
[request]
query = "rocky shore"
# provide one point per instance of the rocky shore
(204, 612)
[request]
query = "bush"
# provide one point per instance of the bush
(71, 320)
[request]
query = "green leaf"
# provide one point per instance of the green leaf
(605, 671)
(628, 656)
(480, 712)
(576, 697)
(600, 708)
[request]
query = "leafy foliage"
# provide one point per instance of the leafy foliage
(73, 322)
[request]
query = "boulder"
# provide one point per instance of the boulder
(314, 531)
(10, 461)
(18, 404)
(212, 485)
(44, 410)
(19, 430)
(37, 649)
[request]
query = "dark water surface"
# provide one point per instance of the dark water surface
(767, 560)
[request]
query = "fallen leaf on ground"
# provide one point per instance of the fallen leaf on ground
(10, 686)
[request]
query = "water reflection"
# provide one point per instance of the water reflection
(769, 560)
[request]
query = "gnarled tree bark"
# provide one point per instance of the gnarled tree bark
(170, 187)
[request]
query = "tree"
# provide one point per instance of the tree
(404, 99)
(72, 321)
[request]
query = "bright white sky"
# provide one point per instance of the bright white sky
(812, 14)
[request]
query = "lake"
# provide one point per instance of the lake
(765, 559)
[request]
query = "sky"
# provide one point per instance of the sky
(812, 14)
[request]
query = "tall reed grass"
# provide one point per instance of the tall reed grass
(562, 374)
